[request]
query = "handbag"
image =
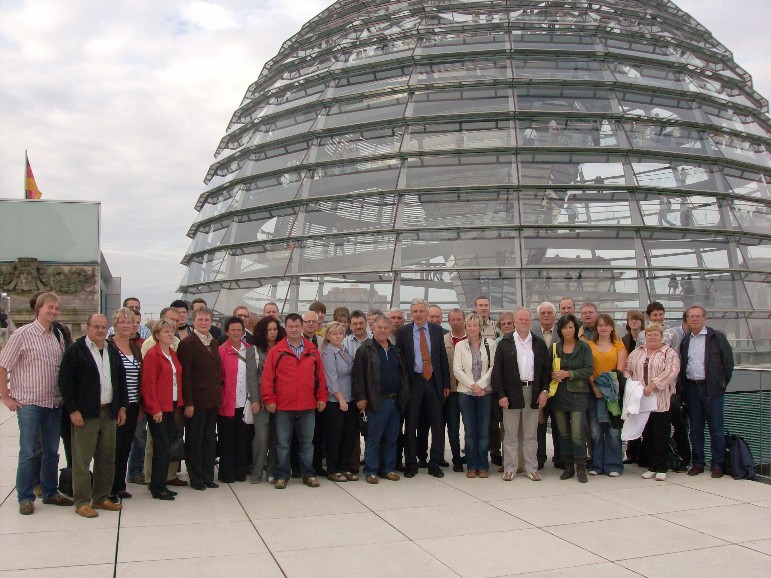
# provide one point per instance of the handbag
(176, 447)
(555, 366)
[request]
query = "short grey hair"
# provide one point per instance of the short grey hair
(381, 317)
(525, 309)
(546, 305)
(418, 301)
(395, 310)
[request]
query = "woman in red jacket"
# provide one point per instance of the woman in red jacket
(161, 394)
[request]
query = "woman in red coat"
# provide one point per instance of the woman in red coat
(161, 394)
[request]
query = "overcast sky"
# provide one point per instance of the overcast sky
(125, 102)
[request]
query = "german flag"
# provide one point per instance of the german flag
(30, 186)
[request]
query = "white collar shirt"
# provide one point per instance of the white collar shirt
(696, 369)
(102, 361)
(525, 356)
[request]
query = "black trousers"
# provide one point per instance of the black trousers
(201, 445)
(656, 441)
(424, 395)
(548, 414)
(679, 419)
(162, 434)
(342, 433)
(66, 436)
(235, 443)
(124, 436)
(319, 439)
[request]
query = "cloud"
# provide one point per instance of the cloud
(208, 16)
(125, 102)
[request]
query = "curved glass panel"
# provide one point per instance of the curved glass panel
(524, 150)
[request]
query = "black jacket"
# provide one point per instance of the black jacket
(718, 359)
(439, 363)
(365, 377)
(505, 378)
(79, 380)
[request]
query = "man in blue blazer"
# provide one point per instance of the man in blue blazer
(422, 345)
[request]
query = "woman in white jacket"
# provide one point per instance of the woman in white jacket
(472, 366)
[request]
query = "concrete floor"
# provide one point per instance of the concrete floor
(420, 527)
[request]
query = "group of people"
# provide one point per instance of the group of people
(275, 400)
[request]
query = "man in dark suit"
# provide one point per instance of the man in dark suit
(422, 345)
(706, 367)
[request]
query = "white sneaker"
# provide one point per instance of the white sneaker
(661, 477)
(614, 474)
(593, 473)
(648, 475)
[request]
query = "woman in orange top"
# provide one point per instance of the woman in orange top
(609, 355)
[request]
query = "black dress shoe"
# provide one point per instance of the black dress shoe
(211, 484)
(444, 463)
(457, 467)
(199, 487)
(172, 492)
(124, 495)
(166, 495)
(422, 464)
(410, 472)
(436, 472)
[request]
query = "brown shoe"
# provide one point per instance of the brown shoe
(26, 507)
(393, 476)
(695, 471)
(58, 500)
(176, 482)
(472, 474)
(86, 511)
(483, 474)
(717, 472)
(280, 484)
(311, 482)
(107, 505)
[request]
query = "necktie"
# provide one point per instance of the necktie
(425, 355)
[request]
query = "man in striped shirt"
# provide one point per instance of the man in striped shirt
(32, 357)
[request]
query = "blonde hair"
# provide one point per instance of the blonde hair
(162, 323)
(333, 327)
(122, 313)
(655, 327)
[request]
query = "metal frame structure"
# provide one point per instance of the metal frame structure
(610, 151)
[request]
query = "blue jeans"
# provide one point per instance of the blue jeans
(701, 407)
(452, 421)
(289, 423)
(606, 444)
(475, 410)
(572, 430)
(380, 444)
(46, 424)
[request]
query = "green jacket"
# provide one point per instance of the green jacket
(580, 363)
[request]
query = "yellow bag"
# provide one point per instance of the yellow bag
(555, 366)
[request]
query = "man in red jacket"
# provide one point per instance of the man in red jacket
(293, 387)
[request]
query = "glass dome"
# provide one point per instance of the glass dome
(611, 152)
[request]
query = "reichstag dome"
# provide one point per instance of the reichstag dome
(610, 151)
